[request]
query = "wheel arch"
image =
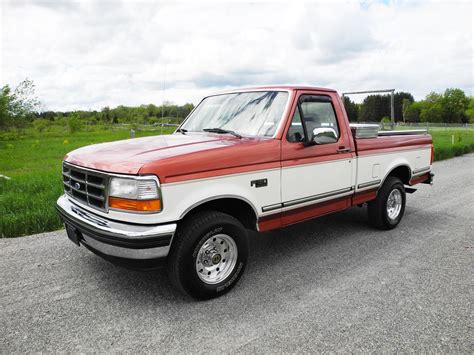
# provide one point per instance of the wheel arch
(236, 206)
(401, 171)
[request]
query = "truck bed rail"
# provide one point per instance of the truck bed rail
(403, 132)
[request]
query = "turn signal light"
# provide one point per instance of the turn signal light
(135, 205)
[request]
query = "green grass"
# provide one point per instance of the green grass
(33, 162)
(444, 149)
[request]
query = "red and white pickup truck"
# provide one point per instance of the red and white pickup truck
(259, 158)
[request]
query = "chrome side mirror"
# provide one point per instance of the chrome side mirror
(324, 135)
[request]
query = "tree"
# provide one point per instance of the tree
(5, 98)
(431, 112)
(105, 114)
(431, 108)
(17, 108)
(351, 109)
(412, 113)
(454, 103)
(405, 105)
(374, 108)
(470, 110)
(398, 99)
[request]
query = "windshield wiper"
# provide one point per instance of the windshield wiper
(181, 130)
(222, 131)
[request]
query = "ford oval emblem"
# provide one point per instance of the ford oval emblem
(77, 185)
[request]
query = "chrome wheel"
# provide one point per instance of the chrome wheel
(394, 204)
(216, 259)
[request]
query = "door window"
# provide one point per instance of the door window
(313, 112)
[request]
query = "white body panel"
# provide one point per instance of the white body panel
(179, 198)
(372, 168)
(284, 185)
(301, 181)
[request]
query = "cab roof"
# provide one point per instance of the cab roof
(276, 87)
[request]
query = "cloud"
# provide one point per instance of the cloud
(91, 54)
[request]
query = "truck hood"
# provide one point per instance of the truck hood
(176, 151)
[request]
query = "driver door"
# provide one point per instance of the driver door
(316, 178)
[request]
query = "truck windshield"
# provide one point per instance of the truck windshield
(245, 113)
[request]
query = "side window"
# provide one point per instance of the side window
(296, 131)
(317, 112)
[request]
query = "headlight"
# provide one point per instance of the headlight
(140, 195)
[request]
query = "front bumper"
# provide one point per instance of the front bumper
(116, 240)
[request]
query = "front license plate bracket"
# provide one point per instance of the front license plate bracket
(73, 234)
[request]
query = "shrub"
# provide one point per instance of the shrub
(458, 149)
(9, 136)
(41, 124)
(74, 124)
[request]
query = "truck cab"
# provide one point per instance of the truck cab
(250, 159)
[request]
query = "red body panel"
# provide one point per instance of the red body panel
(177, 157)
(230, 157)
(386, 144)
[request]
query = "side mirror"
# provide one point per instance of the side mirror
(324, 135)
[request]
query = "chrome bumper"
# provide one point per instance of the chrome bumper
(113, 238)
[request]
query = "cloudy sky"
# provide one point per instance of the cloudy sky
(91, 54)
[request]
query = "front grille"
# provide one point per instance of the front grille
(85, 185)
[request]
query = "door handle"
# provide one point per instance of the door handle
(343, 150)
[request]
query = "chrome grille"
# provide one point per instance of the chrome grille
(85, 185)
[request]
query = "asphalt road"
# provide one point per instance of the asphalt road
(332, 284)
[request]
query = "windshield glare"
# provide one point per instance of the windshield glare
(246, 113)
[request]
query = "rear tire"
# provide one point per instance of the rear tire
(386, 211)
(208, 254)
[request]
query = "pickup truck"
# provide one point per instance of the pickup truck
(251, 159)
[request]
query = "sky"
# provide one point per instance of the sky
(92, 54)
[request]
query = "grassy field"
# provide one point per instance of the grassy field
(33, 164)
(443, 142)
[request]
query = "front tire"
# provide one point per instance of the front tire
(208, 254)
(386, 211)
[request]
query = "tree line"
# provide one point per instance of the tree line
(451, 106)
(20, 108)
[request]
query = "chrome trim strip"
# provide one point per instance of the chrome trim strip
(335, 194)
(403, 132)
(317, 202)
(370, 183)
(317, 197)
(421, 171)
(272, 207)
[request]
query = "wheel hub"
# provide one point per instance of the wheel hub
(394, 204)
(216, 258)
